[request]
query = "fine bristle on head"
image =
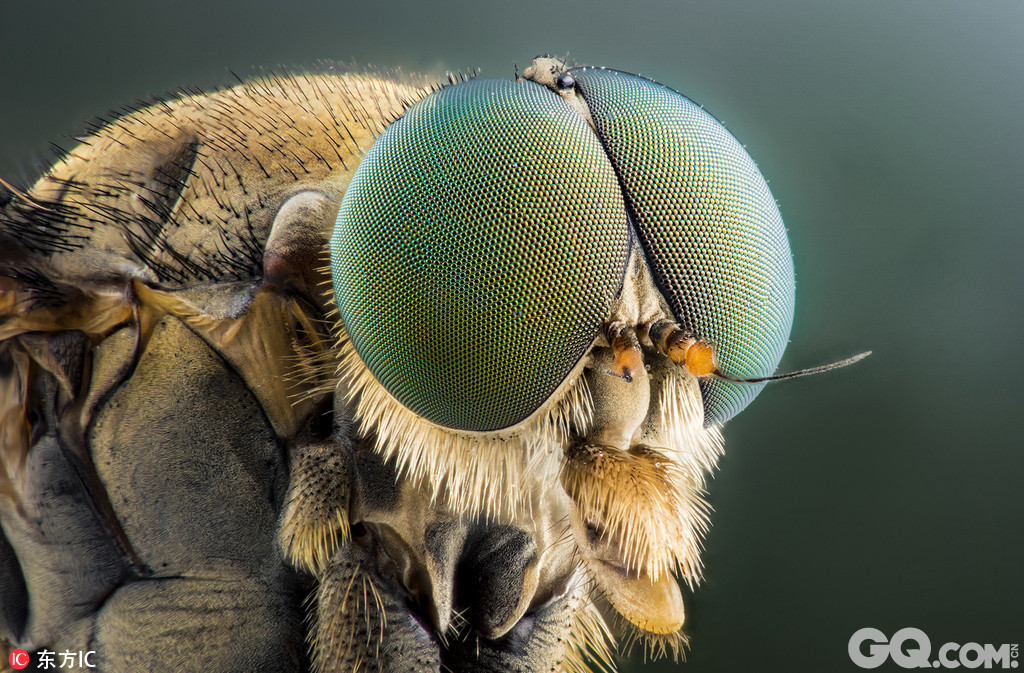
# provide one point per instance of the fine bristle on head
(631, 501)
(671, 645)
(490, 474)
(590, 643)
(315, 517)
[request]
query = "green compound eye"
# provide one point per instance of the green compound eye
(477, 250)
(708, 225)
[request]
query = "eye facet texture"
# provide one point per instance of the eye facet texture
(707, 222)
(477, 250)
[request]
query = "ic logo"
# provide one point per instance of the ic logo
(18, 659)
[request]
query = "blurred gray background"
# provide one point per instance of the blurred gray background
(885, 495)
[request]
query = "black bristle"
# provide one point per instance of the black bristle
(319, 156)
(302, 164)
(58, 152)
(42, 291)
(44, 227)
(260, 164)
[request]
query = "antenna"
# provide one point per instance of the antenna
(792, 375)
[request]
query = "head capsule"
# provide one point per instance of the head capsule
(484, 236)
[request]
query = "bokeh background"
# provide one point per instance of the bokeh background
(892, 135)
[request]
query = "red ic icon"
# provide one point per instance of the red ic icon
(18, 659)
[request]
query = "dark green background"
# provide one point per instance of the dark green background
(885, 495)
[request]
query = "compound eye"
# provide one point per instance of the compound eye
(478, 247)
(708, 225)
